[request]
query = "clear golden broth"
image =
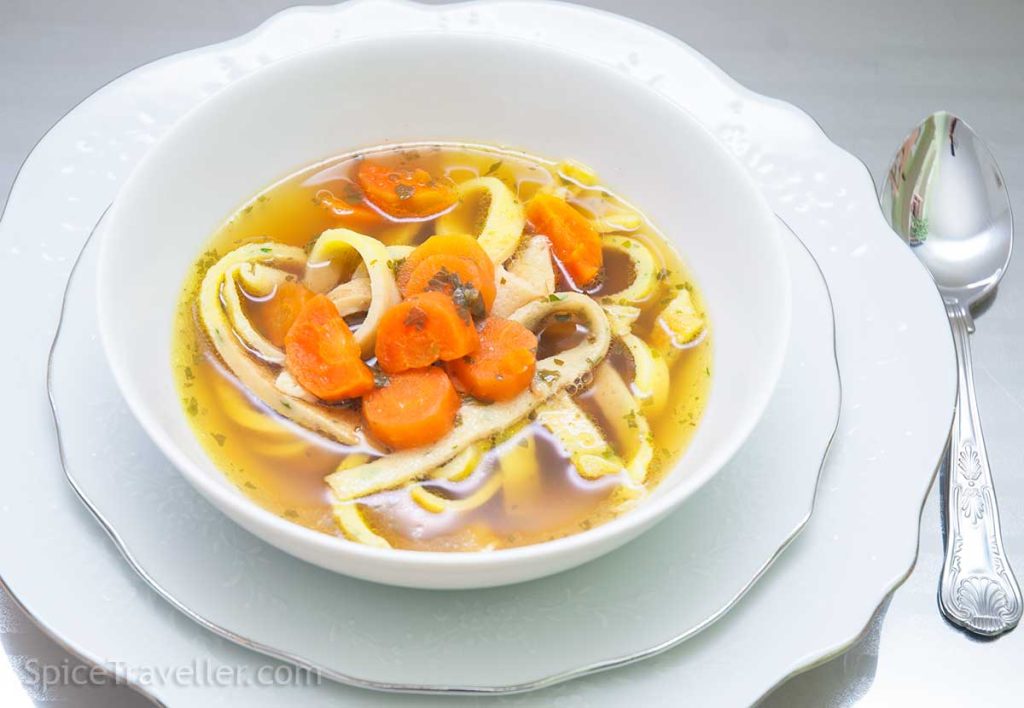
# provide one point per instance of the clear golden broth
(282, 467)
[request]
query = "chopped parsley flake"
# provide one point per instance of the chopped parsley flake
(466, 297)
(416, 318)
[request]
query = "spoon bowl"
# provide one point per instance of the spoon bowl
(945, 196)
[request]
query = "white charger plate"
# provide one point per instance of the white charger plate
(894, 350)
(657, 591)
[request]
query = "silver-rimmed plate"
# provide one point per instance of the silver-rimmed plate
(651, 595)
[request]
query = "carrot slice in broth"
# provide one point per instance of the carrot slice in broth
(576, 243)
(421, 330)
(415, 408)
(322, 354)
(502, 366)
(448, 274)
(404, 193)
(274, 317)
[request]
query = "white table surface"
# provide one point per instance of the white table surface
(866, 70)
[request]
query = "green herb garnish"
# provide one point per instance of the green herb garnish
(416, 318)
(466, 297)
(630, 419)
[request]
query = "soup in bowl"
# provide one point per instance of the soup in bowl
(452, 323)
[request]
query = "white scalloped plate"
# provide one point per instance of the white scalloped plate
(894, 350)
(655, 592)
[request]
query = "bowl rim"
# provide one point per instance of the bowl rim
(251, 515)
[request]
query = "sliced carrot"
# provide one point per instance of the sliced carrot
(323, 356)
(350, 209)
(421, 330)
(405, 193)
(462, 245)
(574, 240)
(450, 274)
(415, 408)
(274, 317)
(502, 366)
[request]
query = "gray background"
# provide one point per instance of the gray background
(868, 71)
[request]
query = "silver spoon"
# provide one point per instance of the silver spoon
(944, 195)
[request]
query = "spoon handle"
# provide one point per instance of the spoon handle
(978, 590)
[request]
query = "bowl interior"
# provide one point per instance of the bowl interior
(451, 88)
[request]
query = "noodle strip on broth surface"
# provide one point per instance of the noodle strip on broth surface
(335, 258)
(218, 313)
(489, 211)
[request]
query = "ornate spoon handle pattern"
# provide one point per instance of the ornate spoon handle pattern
(978, 590)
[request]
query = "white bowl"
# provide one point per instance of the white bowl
(453, 88)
